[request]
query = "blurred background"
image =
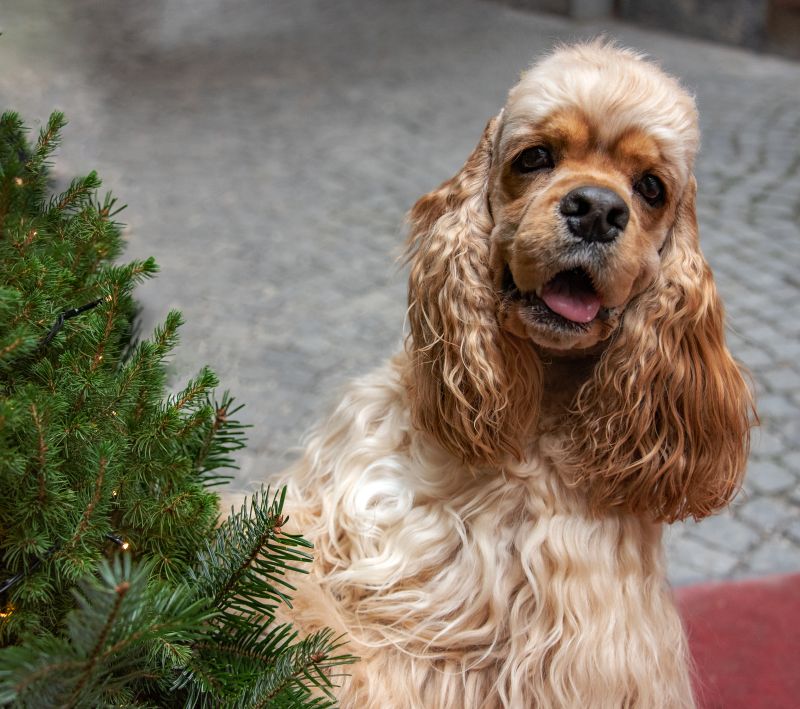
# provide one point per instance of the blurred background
(269, 149)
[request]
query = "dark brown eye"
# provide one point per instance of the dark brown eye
(533, 159)
(651, 189)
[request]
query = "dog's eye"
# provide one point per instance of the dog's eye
(651, 189)
(532, 159)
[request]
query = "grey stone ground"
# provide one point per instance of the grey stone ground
(268, 151)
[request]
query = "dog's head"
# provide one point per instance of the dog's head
(571, 230)
(590, 160)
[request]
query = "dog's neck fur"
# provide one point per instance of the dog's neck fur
(563, 374)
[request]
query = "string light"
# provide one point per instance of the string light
(66, 315)
(16, 578)
(119, 541)
(7, 611)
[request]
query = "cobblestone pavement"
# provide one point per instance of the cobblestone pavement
(268, 151)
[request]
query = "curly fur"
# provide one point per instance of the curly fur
(486, 507)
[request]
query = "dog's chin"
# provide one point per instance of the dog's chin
(528, 316)
(548, 332)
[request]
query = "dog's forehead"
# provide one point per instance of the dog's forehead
(616, 90)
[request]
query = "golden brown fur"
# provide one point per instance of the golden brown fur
(486, 508)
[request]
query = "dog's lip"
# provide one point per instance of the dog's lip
(532, 301)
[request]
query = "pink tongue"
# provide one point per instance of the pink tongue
(570, 301)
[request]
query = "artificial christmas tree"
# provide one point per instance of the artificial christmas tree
(116, 586)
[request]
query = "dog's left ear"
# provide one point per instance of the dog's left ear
(665, 422)
(462, 383)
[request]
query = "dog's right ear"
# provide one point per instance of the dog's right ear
(463, 386)
(663, 428)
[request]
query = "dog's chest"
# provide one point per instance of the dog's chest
(474, 584)
(440, 559)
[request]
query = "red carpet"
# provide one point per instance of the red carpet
(745, 639)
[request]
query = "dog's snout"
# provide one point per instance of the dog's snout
(595, 213)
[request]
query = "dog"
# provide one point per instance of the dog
(487, 508)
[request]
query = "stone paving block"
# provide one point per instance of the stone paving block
(787, 351)
(769, 477)
(788, 428)
(778, 556)
(766, 513)
(761, 302)
(754, 358)
(683, 574)
(757, 279)
(766, 443)
(724, 532)
(698, 555)
(776, 406)
(792, 462)
(759, 332)
(793, 531)
(783, 379)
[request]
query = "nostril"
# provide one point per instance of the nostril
(575, 205)
(618, 217)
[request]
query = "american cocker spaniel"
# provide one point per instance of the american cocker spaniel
(487, 507)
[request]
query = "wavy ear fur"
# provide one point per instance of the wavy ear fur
(664, 423)
(464, 385)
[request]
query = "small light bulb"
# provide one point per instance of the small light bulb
(125, 546)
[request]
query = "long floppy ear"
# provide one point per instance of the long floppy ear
(466, 388)
(664, 423)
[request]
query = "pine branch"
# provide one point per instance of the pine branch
(244, 568)
(48, 142)
(113, 299)
(42, 452)
(120, 590)
(258, 663)
(13, 151)
(121, 618)
(76, 196)
(98, 493)
(300, 675)
(224, 436)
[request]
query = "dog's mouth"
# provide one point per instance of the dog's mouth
(569, 299)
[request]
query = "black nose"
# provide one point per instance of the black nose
(595, 213)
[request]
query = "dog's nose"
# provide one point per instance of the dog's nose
(595, 213)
